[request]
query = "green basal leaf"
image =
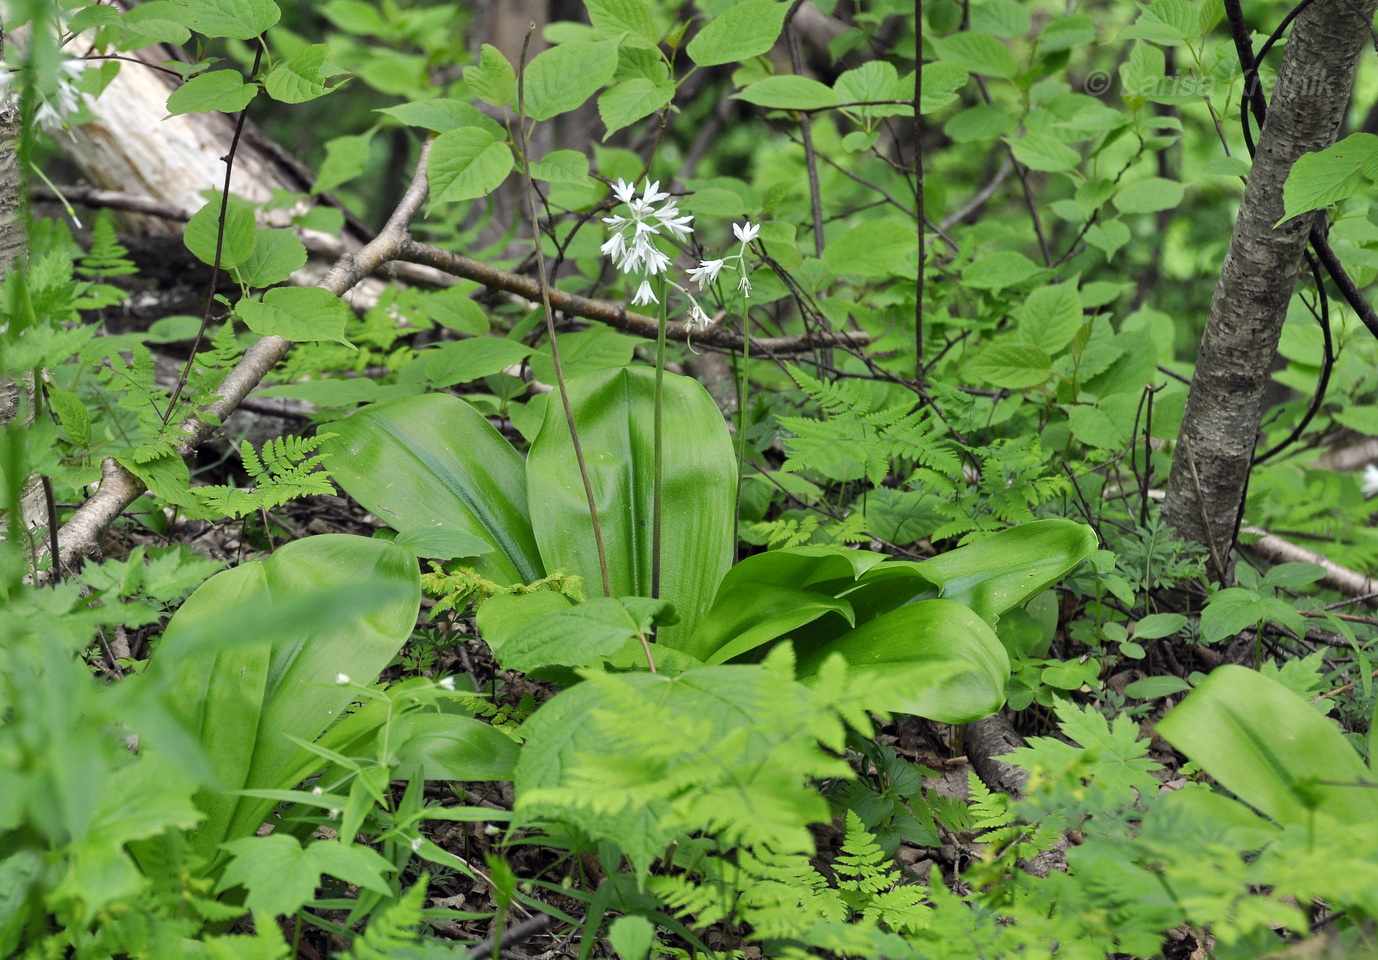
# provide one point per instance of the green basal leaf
(1272, 749)
(614, 412)
(1009, 568)
(434, 461)
(956, 666)
(316, 609)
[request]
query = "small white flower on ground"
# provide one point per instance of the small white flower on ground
(705, 273)
(416, 844)
(317, 791)
(644, 294)
(448, 683)
(342, 678)
(747, 232)
(1370, 481)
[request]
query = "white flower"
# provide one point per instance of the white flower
(631, 245)
(448, 683)
(747, 231)
(416, 844)
(706, 272)
(317, 792)
(342, 678)
(1370, 481)
(697, 318)
(744, 285)
(644, 294)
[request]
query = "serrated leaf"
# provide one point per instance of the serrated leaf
(1149, 196)
(746, 30)
(871, 249)
(223, 90)
(526, 633)
(562, 166)
(276, 255)
(1051, 316)
(234, 19)
(472, 359)
(630, 100)
(941, 81)
(1094, 427)
(996, 271)
(301, 78)
(563, 77)
(789, 93)
(202, 228)
(296, 313)
(465, 164)
(977, 52)
(631, 20)
(493, 80)
(1012, 365)
(1039, 151)
(875, 80)
(72, 414)
(345, 159)
(158, 21)
(1336, 173)
(443, 115)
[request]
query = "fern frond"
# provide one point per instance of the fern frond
(393, 927)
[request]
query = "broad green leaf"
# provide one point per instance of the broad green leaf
(223, 90)
(527, 634)
(746, 30)
(1011, 567)
(446, 746)
(631, 100)
(296, 313)
(747, 614)
(345, 159)
(1336, 173)
(1066, 33)
(465, 164)
(941, 81)
(1149, 195)
(1000, 18)
(315, 609)
(1039, 151)
(562, 166)
(631, 20)
(435, 460)
(234, 19)
(158, 21)
(564, 76)
(238, 241)
(586, 351)
(956, 665)
(277, 254)
(1272, 749)
(875, 80)
(465, 360)
(871, 249)
(444, 115)
(441, 543)
(631, 937)
(614, 413)
(493, 80)
(302, 77)
(1051, 316)
(1014, 366)
(789, 93)
(978, 53)
(1157, 625)
(1095, 428)
(996, 271)
(985, 121)
(280, 875)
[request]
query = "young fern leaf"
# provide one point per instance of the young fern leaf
(285, 469)
(393, 928)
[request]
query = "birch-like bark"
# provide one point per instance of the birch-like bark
(1210, 467)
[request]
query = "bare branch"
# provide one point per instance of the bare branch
(616, 315)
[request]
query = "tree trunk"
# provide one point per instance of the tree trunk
(1210, 468)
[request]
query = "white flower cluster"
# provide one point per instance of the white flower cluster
(633, 251)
